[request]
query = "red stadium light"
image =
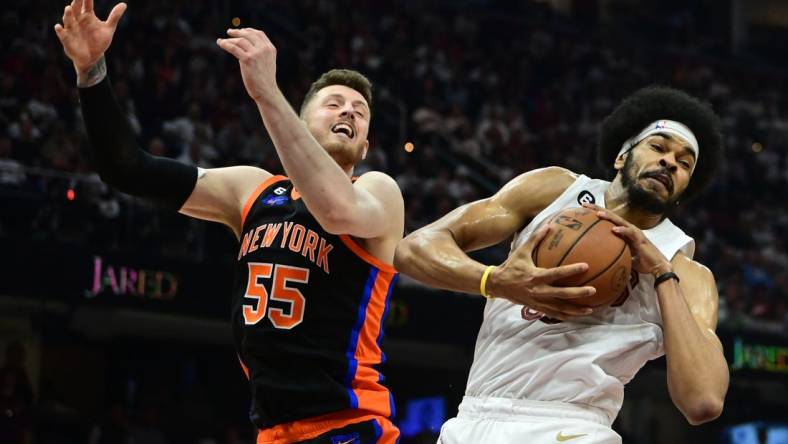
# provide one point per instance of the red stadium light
(70, 194)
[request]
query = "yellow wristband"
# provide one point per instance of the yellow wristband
(483, 284)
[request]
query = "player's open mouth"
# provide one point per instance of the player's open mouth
(343, 128)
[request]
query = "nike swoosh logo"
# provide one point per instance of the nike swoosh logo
(561, 438)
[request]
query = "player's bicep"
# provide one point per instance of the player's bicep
(490, 221)
(478, 224)
(700, 292)
(219, 194)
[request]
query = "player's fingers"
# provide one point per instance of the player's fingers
(561, 293)
(534, 239)
(76, 5)
(245, 33)
(231, 47)
(88, 6)
(549, 275)
(69, 21)
(245, 44)
(60, 31)
(116, 14)
(628, 233)
(612, 217)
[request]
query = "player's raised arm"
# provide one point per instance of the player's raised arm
(436, 254)
(371, 208)
(215, 195)
(86, 38)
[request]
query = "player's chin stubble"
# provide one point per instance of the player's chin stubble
(639, 197)
(343, 154)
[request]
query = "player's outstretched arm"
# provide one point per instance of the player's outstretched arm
(371, 208)
(697, 371)
(436, 254)
(218, 195)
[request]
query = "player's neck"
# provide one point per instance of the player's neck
(346, 168)
(617, 201)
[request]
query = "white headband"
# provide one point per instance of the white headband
(667, 127)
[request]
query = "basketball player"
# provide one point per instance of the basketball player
(313, 266)
(537, 379)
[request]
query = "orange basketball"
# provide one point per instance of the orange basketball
(578, 235)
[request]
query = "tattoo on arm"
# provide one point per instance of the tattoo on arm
(95, 74)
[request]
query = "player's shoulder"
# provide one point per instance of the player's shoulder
(536, 189)
(379, 181)
(558, 176)
(554, 177)
(683, 263)
(237, 174)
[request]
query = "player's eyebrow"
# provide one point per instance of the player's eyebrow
(686, 147)
(354, 102)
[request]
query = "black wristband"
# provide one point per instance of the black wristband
(664, 277)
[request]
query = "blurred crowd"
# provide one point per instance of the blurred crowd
(484, 90)
(149, 410)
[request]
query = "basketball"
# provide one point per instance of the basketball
(578, 235)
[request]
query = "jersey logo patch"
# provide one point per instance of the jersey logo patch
(560, 437)
(274, 201)
(280, 191)
(585, 196)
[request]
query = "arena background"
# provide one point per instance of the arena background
(484, 90)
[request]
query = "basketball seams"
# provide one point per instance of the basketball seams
(577, 239)
(614, 262)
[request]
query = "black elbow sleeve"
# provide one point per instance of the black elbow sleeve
(118, 159)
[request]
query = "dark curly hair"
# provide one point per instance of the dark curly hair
(660, 102)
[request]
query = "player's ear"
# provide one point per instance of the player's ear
(619, 163)
(365, 149)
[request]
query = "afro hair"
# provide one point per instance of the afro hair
(660, 102)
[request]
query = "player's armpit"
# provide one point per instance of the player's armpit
(377, 209)
(220, 194)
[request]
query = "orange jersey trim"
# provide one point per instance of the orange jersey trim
(359, 251)
(243, 367)
(312, 427)
(371, 395)
(390, 433)
(256, 193)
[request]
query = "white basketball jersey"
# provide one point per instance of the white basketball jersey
(587, 360)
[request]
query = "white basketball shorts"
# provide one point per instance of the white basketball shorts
(517, 421)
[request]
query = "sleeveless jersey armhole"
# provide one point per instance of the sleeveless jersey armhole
(256, 193)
